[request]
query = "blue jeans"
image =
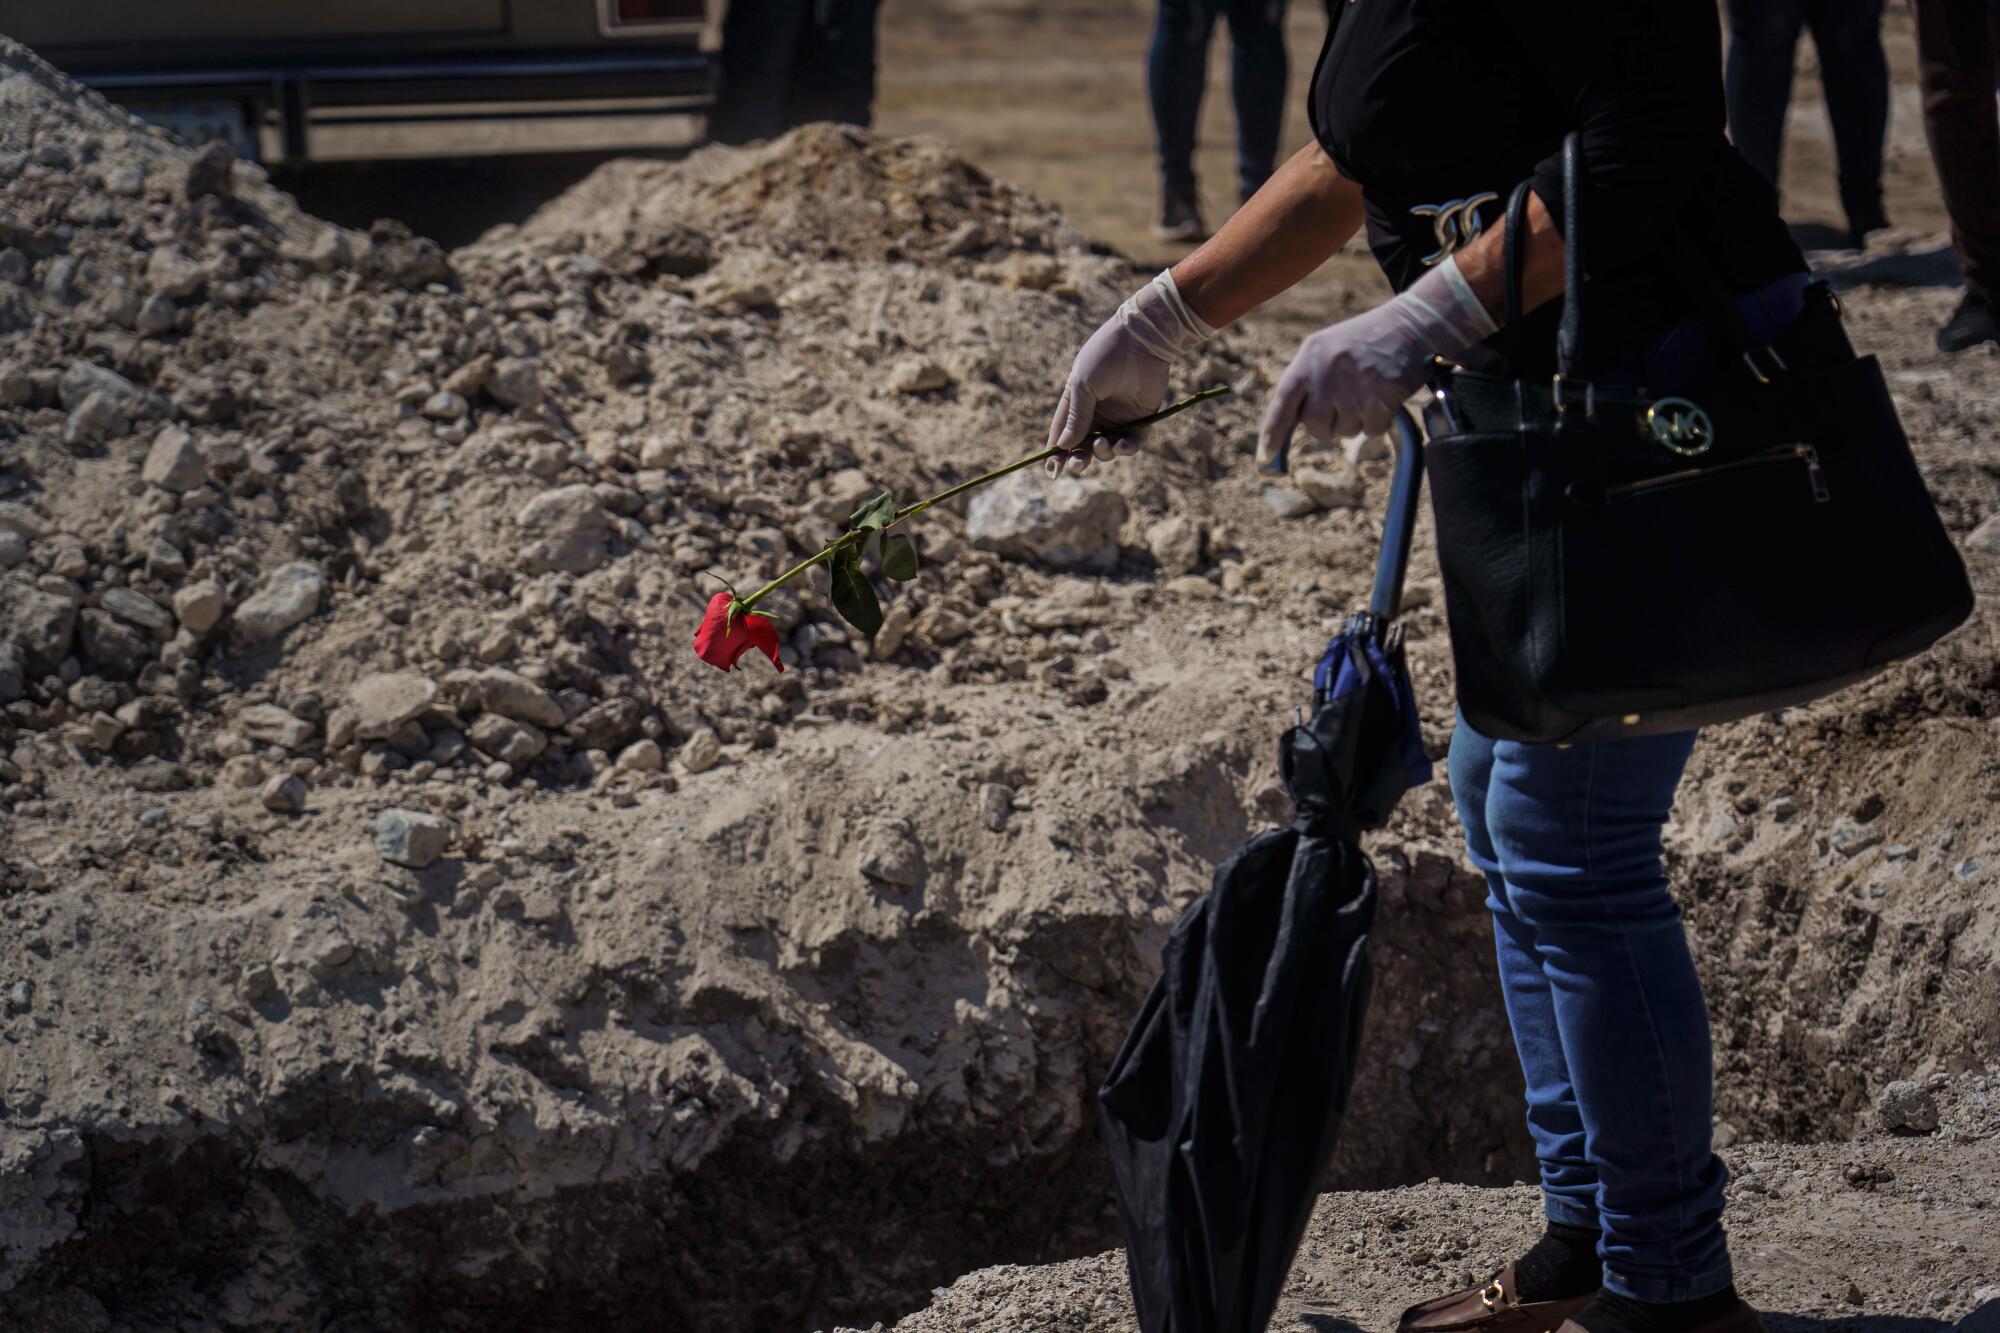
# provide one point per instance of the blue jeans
(1177, 73)
(1763, 40)
(1603, 998)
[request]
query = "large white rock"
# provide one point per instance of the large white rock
(174, 274)
(702, 751)
(173, 463)
(510, 694)
(383, 701)
(289, 595)
(268, 724)
(40, 623)
(1905, 1107)
(1176, 544)
(1329, 490)
(1064, 522)
(515, 381)
(200, 605)
(284, 794)
(502, 738)
(409, 837)
(563, 530)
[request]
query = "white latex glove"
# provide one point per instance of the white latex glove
(1121, 374)
(1352, 376)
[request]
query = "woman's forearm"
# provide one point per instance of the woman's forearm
(1484, 266)
(1301, 216)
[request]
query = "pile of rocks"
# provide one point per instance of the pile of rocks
(253, 458)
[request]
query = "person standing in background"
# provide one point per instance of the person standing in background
(1956, 41)
(1177, 75)
(787, 63)
(1757, 82)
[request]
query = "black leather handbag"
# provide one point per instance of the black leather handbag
(1626, 565)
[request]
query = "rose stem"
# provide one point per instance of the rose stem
(846, 538)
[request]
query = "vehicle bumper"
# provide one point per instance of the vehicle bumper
(676, 80)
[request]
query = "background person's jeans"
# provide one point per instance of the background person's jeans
(1177, 74)
(1757, 78)
(1602, 994)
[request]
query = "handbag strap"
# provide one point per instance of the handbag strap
(1513, 242)
(1569, 337)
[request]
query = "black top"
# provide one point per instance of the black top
(1434, 103)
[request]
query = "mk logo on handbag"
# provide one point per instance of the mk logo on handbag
(1679, 425)
(1455, 223)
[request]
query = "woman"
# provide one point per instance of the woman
(1426, 113)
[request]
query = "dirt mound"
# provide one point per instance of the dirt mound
(822, 192)
(396, 907)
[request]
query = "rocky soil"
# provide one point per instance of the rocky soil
(402, 927)
(1890, 1233)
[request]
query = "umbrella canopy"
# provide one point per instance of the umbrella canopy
(1221, 1108)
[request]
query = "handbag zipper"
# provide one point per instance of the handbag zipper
(1802, 453)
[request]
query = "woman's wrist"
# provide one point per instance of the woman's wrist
(1159, 319)
(1459, 306)
(1195, 291)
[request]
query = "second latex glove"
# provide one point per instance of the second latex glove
(1352, 376)
(1121, 373)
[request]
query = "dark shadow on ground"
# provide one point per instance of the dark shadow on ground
(1983, 1320)
(1326, 1323)
(451, 199)
(1986, 1319)
(1918, 268)
(1818, 236)
(1865, 1323)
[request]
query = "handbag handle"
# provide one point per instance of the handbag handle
(1569, 336)
(1512, 242)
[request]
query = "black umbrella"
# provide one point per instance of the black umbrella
(1222, 1106)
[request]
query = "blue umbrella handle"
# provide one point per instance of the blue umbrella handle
(1399, 525)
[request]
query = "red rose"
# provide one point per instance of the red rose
(724, 637)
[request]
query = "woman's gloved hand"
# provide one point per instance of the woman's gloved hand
(1121, 374)
(1352, 376)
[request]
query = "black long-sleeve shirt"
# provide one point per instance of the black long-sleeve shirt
(1429, 104)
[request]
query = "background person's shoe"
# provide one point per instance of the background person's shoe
(1863, 220)
(1858, 232)
(1976, 321)
(1491, 1308)
(1179, 218)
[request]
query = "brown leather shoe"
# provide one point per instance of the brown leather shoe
(1742, 1318)
(1492, 1309)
